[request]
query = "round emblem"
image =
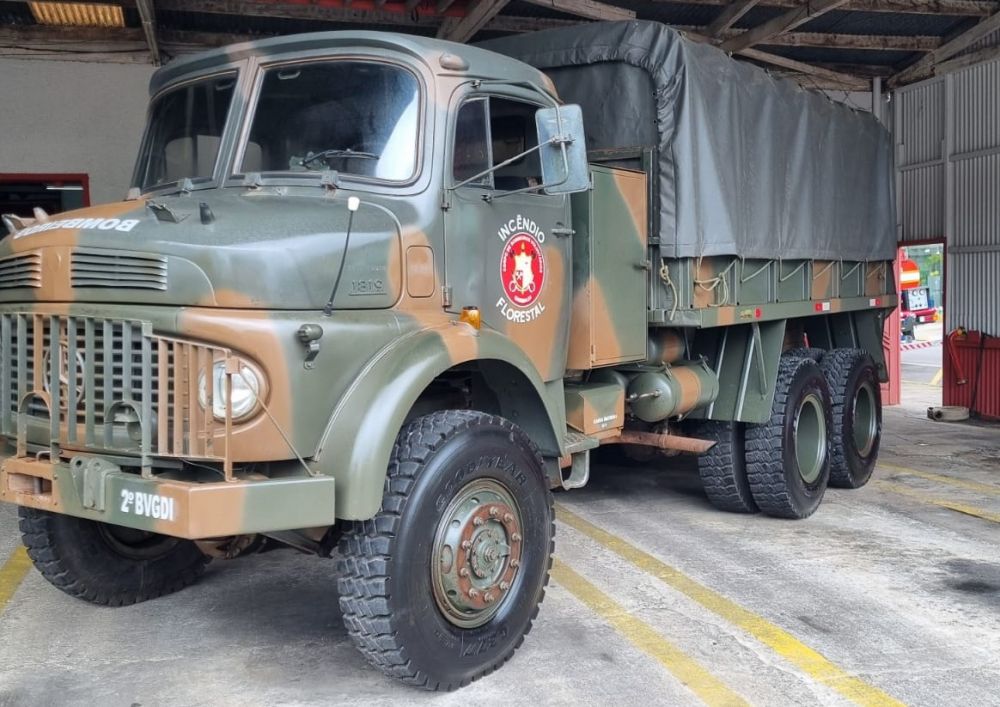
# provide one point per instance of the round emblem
(522, 270)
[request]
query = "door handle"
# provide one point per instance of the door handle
(643, 265)
(562, 232)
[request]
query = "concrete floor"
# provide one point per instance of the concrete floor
(893, 590)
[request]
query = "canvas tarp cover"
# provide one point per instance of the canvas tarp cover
(749, 165)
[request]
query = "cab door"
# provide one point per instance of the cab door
(507, 248)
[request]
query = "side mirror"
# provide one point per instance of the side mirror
(563, 150)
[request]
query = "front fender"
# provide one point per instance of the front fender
(358, 441)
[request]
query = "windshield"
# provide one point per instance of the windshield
(354, 117)
(185, 132)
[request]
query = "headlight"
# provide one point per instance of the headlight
(247, 385)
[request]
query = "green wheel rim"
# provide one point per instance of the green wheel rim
(810, 438)
(864, 415)
(477, 553)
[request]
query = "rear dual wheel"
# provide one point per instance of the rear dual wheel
(856, 432)
(788, 457)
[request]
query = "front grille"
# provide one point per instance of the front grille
(96, 267)
(122, 379)
(21, 271)
(114, 384)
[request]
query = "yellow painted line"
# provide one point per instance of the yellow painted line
(12, 574)
(976, 486)
(690, 672)
(925, 497)
(936, 380)
(809, 661)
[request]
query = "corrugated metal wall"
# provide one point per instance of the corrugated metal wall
(947, 134)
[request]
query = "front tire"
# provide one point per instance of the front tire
(442, 585)
(106, 564)
(857, 416)
(788, 457)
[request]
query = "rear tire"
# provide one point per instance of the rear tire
(421, 604)
(788, 457)
(723, 467)
(857, 416)
(107, 564)
(805, 352)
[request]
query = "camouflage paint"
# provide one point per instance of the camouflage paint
(257, 275)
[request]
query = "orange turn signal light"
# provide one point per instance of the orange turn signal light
(471, 316)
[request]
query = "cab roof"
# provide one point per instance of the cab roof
(481, 63)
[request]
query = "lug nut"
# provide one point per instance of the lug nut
(466, 544)
(464, 572)
(516, 537)
(515, 563)
(478, 521)
(489, 598)
(508, 518)
(494, 512)
(473, 593)
(505, 586)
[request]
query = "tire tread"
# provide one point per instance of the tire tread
(365, 563)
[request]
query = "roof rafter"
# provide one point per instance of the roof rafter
(481, 13)
(841, 41)
(591, 9)
(925, 65)
(969, 8)
(834, 77)
(782, 23)
(728, 17)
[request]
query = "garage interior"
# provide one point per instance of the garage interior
(887, 595)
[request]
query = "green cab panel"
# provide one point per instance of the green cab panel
(608, 321)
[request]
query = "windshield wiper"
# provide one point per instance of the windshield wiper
(306, 161)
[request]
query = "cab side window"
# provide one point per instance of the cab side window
(472, 149)
(488, 132)
(512, 131)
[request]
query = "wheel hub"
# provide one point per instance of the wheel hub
(810, 438)
(477, 553)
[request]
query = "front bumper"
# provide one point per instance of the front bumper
(96, 489)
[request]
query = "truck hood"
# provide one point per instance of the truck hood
(256, 249)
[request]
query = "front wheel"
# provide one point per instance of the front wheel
(442, 585)
(107, 564)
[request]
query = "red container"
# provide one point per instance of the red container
(979, 362)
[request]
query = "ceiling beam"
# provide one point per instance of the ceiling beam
(782, 23)
(591, 9)
(389, 15)
(967, 8)
(839, 41)
(844, 80)
(475, 19)
(925, 65)
(957, 8)
(148, 18)
(730, 16)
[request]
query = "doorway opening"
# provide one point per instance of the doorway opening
(921, 318)
(55, 193)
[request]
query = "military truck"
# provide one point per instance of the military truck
(372, 292)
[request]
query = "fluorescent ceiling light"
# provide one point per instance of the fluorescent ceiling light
(77, 14)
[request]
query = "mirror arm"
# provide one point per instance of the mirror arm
(513, 159)
(562, 147)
